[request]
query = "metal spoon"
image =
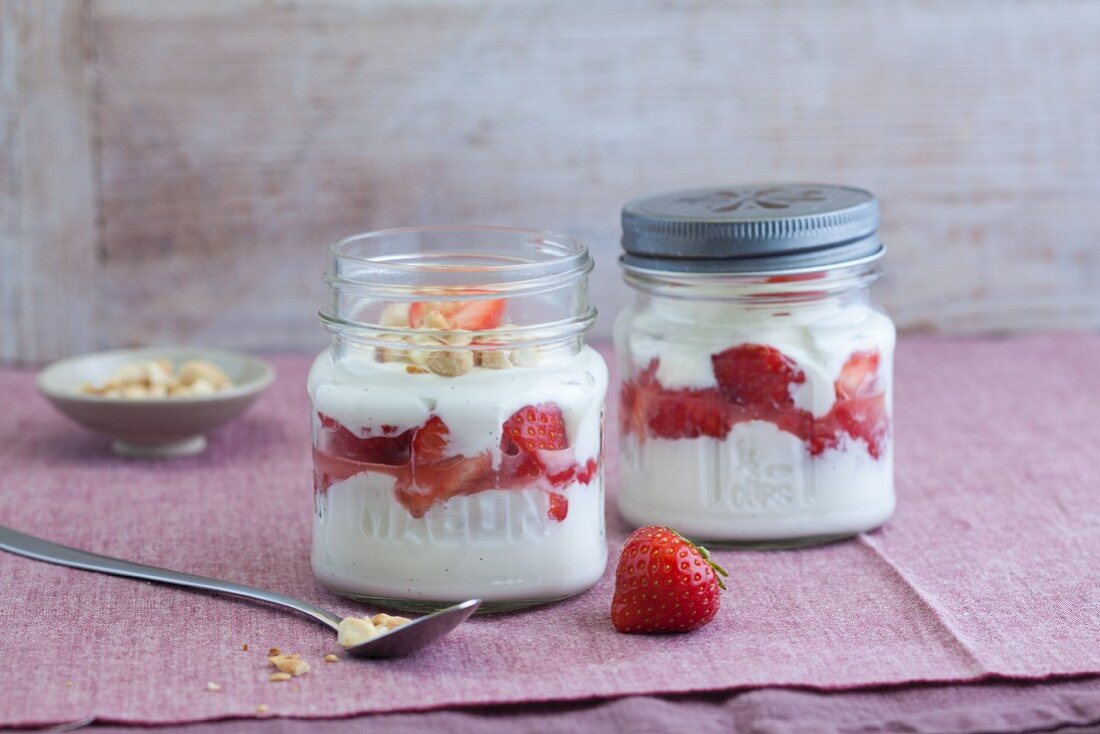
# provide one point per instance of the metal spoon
(400, 641)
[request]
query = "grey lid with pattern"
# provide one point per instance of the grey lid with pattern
(752, 228)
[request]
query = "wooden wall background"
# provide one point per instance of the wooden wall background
(171, 171)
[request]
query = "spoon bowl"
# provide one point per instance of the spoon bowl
(403, 640)
(417, 634)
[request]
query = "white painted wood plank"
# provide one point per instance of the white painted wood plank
(239, 137)
(48, 228)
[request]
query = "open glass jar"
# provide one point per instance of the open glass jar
(458, 420)
(756, 404)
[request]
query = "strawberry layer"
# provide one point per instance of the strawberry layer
(756, 383)
(419, 485)
(684, 335)
(366, 396)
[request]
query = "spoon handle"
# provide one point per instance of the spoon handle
(43, 550)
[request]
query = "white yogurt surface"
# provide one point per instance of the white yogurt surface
(498, 545)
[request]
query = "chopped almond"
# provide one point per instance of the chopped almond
(451, 363)
(290, 664)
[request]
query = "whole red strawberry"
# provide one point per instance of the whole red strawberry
(664, 583)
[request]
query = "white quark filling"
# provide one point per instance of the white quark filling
(363, 395)
(759, 483)
(498, 545)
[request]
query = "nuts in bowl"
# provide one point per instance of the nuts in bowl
(158, 378)
(155, 402)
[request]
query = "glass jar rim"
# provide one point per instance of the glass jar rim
(548, 255)
(459, 263)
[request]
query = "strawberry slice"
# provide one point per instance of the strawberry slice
(332, 469)
(439, 481)
(646, 407)
(534, 428)
(430, 442)
(469, 315)
(858, 376)
(559, 507)
(588, 473)
(440, 475)
(394, 449)
(863, 418)
(688, 414)
(757, 375)
(531, 439)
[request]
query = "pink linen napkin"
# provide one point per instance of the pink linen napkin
(974, 708)
(989, 568)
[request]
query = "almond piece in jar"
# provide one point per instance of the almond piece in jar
(496, 359)
(526, 357)
(394, 314)
(450, 363)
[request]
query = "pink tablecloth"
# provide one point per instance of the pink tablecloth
(989, 569)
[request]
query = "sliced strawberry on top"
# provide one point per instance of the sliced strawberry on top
(859, 376)
(474, 315)
(757, 375)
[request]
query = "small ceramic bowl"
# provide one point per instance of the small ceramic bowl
(154, 427)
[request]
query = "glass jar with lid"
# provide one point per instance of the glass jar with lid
(756, 401)
(458, 420)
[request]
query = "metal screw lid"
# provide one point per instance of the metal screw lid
(752, 228)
